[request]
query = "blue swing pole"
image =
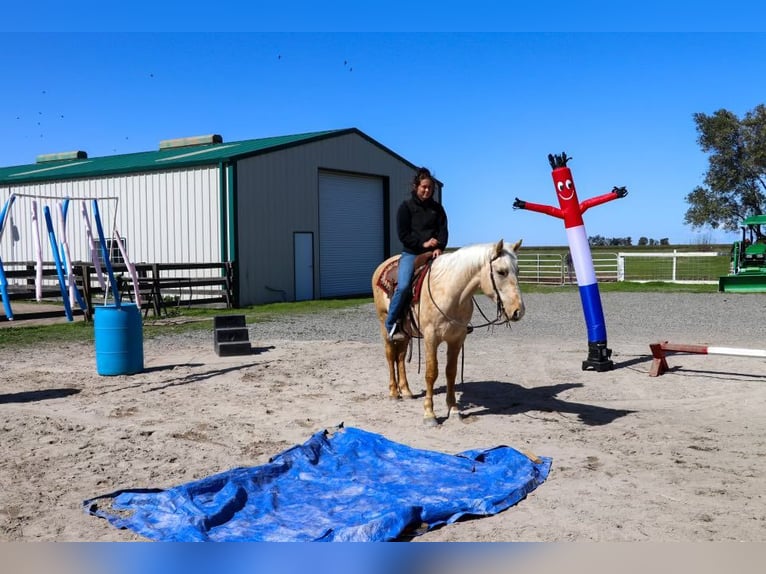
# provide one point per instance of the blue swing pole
(4, 293)
(105, 254)
(4, 211)
(57, 261)
(66, 263)
(3, 278)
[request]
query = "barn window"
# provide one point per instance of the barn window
(115, 255)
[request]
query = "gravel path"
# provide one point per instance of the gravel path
(706, 318)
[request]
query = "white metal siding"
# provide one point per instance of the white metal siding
(350, 232)
(165, 217)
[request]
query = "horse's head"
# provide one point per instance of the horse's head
(500, 281)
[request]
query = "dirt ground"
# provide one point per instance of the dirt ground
(681, 457)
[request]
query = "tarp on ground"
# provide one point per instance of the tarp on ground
(342, 485)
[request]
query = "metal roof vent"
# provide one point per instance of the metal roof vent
(191, 141)
(61, 156)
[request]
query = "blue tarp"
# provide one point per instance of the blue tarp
(346, 485)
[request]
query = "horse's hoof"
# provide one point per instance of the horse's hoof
(408, 395)
(394, 397)
(456, 413)
(430, 422)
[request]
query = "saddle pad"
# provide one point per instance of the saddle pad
(387, 280)
(387, 277)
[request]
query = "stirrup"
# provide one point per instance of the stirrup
(396, 333)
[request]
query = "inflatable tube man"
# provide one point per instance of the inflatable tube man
(571, 211)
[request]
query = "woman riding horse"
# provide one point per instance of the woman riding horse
(421, 225)
(444, 310)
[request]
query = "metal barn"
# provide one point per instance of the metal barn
(303, 216)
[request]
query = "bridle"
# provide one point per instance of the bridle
(500, 310)
(498, 299)
(469, 328)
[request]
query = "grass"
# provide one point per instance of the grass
(20, 335)
(182, 321)
(271, 311)
(626, 287)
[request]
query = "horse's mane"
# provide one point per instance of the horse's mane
(466, 260)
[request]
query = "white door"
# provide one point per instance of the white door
(303, 256)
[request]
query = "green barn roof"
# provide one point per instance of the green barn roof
(184, 152)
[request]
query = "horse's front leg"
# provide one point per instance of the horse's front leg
(432, 372)
(393, 366)
(401, 357)
(396, 354)
(453, 353)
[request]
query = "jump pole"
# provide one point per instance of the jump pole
(660, 364)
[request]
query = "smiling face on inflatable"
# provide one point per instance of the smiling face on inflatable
(567, 195)
(565, 187)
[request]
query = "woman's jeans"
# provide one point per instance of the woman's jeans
(403, 291)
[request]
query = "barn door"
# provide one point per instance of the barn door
(351, 233)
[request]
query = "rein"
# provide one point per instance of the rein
(498, 300)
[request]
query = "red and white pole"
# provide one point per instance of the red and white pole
(660, 365)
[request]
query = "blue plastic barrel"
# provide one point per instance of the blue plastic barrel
(119, 338)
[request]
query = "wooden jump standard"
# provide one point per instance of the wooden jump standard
(660, 365)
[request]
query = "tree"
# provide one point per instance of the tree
(643, 241)
(597, 241)
(600, 241)
(735, 184)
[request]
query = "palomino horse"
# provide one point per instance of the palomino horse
(444, 310)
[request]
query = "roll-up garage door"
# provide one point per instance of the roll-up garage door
(350, 233)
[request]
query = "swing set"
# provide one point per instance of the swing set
(61, 251)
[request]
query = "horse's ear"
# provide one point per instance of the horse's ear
(498, 249)
(516, 246)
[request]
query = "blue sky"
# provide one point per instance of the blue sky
(482, 108)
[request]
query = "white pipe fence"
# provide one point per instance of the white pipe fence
(688, 258)
(668, 266)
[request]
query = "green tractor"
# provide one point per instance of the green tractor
(748, 260)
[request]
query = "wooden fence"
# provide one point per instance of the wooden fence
(160, 285)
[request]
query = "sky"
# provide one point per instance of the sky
(481, 97)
